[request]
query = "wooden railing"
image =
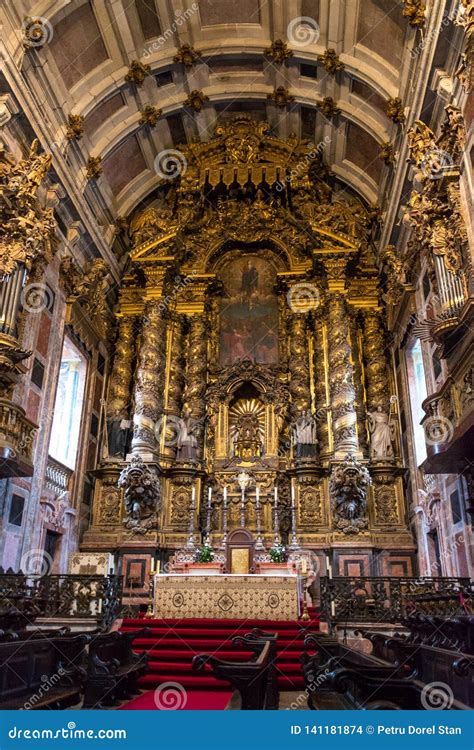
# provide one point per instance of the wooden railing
(386, 599)
(26, 597)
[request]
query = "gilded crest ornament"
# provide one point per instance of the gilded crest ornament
(94, 167)
(281, 97)
(137, 72)
(196, 100)
(75, 127)
(387, 153)
(150, 115)
(415, 11)
(279, 51)
(328, 107)
(395, 110)
(186, 55)
(331, 62)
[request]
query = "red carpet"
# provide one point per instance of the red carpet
(172, 644)
(195, 700)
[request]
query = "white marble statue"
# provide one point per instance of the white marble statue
(381, 445)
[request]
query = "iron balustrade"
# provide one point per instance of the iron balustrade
(26, 597)
(389, 599)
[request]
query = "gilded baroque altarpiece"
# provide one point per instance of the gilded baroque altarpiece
(251, 304)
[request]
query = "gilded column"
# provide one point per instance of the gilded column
(175, 369)
(321, 384)
(341, 376)
(196, 367)
(375, 362)
(299, 364)
(150, 378)
(356, 345)
(120, 382)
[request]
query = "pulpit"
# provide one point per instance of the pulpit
(240, 552)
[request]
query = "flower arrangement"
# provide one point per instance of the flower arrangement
(277, 553)
(205, 553)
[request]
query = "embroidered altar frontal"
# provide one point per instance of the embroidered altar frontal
(226, 597)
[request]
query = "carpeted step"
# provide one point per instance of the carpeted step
(172, 644)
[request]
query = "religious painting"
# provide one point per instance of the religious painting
(249, 312)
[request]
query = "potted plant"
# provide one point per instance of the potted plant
(277, 553)
(204, 554)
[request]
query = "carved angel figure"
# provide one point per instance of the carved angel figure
(142, 495)
(348, 485)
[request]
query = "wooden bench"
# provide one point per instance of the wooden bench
(113, 669)
(249, 678)
(254, 641)
(39, 672)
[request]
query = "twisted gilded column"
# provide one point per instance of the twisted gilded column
(320, 384)
(196, 367)
(341, 376)
(175, 371)
(356, 345)
(375, 361)
(150, 376)
(299, 364)
(120, 381)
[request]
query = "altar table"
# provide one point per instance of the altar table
(255, 597)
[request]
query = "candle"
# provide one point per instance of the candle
(209, 496)
(225, 495)
(276, 496)
(257, 496)
(193, 494)
(328, 566)
(292, 494)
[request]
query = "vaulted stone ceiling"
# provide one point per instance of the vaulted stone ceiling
(90, 46)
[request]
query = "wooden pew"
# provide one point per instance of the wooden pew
(113, 669)
(249, 678)
(39, 673)
(254, 641)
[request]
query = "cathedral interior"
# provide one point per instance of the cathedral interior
(236, 332)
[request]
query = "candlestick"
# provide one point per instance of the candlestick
(276, 523)
(191, 544)
(208, 513)
(224, 520)
(259, 541)
(294, 538)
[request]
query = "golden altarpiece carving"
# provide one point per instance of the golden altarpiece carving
(250, 339)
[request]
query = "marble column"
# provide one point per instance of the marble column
(150, 377)
(341, 377)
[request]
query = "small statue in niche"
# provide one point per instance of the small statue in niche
(304, 435)
(381, 435)
(187, 438)
(118, 427)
